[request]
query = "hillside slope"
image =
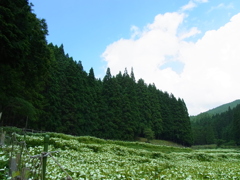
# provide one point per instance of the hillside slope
(223, 108)
(220, 125)
(216, 110)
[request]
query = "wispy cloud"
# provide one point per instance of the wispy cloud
(192, 32)
(192, 4)
(189, 6)
(201, 1)
(135, 32)
(221, 6)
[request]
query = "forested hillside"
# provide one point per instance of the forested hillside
(45, 89)
(222, 108)
(221, 128)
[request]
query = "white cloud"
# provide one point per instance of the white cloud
(221, 6)
(210, 75)
(189, 6)
(201, 1)
(193, 31)
(192, 4)
(135, 32)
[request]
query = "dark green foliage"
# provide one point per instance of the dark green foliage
(45, 89)
(236, 125)
(24, 62)
(222, 129)
(223, 108)
(149, 134)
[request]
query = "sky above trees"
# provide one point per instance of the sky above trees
(188, 48)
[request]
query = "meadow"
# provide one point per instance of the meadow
(87, 157)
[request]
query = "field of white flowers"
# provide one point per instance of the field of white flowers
(92, 158)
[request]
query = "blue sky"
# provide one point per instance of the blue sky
(87, 27)
(158, 38)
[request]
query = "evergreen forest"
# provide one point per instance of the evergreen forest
(43, 88)
(221, 128)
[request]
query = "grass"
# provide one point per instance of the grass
(208, 146)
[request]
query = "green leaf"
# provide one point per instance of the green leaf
(15, 174)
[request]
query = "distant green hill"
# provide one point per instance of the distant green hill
(223, 108)
(217, 110)
(220, 125)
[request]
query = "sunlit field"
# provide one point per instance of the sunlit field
(93, 158)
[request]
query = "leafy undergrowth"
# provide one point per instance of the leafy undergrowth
(93, 158)
(165, 143)
(160, 142)
(208, 146)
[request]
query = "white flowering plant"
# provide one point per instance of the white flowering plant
(93, 158)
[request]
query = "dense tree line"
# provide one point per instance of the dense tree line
(43, 88)
(222, 128)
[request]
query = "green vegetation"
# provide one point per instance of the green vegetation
(42, 88)
(93, 158)
(224, 107)
(220, 129)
